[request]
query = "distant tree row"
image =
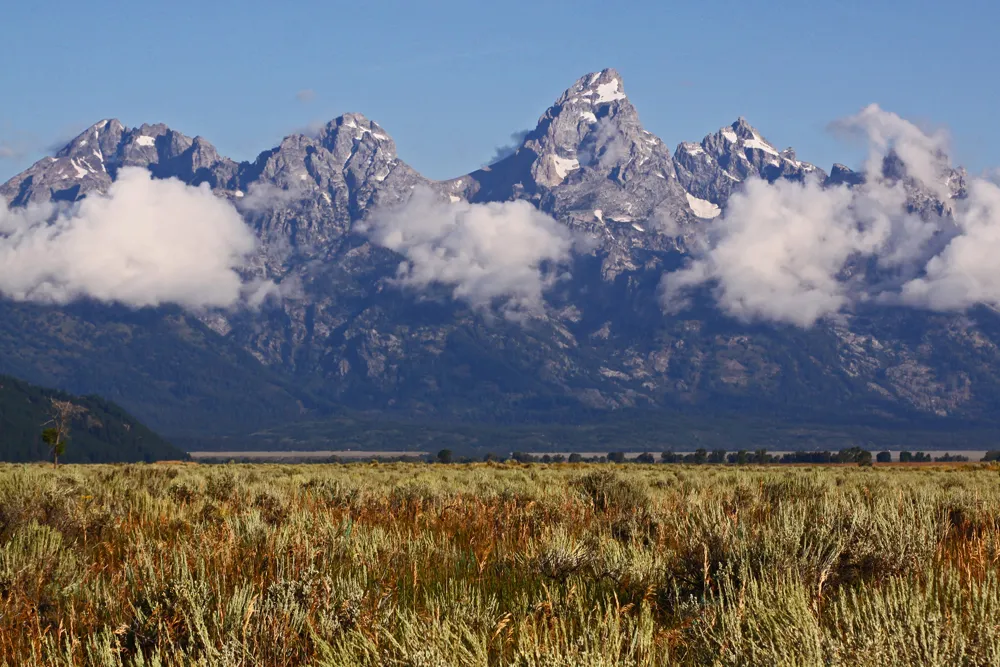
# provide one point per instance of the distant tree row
(855, 455)
(705, 457)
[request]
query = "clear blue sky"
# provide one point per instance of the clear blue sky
(452, 80)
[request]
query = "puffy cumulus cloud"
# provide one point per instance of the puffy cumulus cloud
(923, 153)
(777, 254)
(499, 254)
(798, 252)
(964, 273)
(145, 243)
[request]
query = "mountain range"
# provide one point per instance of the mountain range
(365, 327)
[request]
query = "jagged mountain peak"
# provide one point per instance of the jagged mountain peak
(352, 119)
(91, 160)
(354, 122)
(743, 129)
(103, 136)
(596, 99)
(712, 169)
(149, 144)
(742, 135)
(118, 145)
(350, 146)
(343, 135)
(939, 169)
(589, 161)
(313, 186)
(595, 89)
(112, 142)
(930, 186)
(841, 174)
(591, 127)
(595, 105)
(74, 170)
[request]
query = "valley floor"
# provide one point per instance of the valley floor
(499, 564)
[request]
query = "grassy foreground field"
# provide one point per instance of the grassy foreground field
(497, 564)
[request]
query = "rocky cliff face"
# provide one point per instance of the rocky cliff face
(715, 168)
(90, 161)
(346, 333)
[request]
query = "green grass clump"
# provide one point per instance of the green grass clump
(498, 564)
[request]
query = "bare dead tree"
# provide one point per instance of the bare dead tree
(57, 428)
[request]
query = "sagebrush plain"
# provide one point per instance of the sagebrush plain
(499, 564)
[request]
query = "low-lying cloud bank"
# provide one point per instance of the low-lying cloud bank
(798, 252)
(145, 243)
(500, 254)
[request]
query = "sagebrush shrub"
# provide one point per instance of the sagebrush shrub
(498, 564)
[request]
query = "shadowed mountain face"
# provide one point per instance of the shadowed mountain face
(98, 430)
(349, 334)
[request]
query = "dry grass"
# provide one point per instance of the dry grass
(497, 564)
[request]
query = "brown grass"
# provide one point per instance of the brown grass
(498, 564)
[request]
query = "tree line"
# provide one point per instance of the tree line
(856, 455)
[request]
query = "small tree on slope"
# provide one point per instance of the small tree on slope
(56, 433)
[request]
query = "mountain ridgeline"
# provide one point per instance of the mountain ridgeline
(99, 431)
(350, 343)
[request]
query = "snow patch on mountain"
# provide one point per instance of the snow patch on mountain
(610, 91)
(702, 208)
(761, 145)
(564, 166)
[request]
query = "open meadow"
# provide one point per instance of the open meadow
(499, 564)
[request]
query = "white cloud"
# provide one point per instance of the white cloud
(8, 152)
(777, 252)
(504, 254)
(965, 272)
(923, 153)
(258, 290)
(797, 252)
(306, 95)
(604, 146)
(264, 197)
(145, 243)
(665, 223)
